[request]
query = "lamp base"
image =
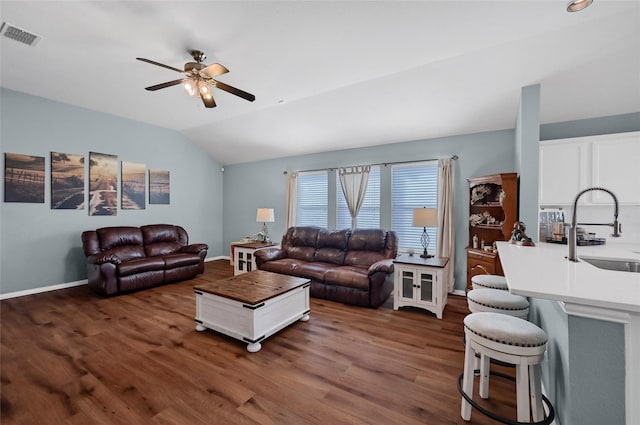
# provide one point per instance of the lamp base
(426, 256)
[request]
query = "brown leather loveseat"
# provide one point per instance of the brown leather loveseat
(353, 266)
(123, 259)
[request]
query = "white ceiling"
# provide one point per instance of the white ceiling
(329, 75)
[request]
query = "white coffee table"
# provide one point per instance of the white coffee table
(251, 306)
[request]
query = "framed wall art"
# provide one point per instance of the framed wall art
(159, 187)
(134, 190)
(67, 181)
(103, 184)
(23, 178)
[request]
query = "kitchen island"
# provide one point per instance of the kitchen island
(592, 319)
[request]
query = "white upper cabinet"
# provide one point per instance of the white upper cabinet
(611, 161)
(616, 166)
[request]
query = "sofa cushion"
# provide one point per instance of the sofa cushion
(154, 233)
(304, 253)
(367, 240)
(284, 265)
(161, 248)
(351, 276)
(140, 265)
(111, 237)
(127, 252)
(315, 270)
(304, 236)
(362, 258)
(172, 261)
(332, 246)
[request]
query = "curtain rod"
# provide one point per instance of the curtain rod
(454, 157)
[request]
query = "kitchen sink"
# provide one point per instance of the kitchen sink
(616, 264)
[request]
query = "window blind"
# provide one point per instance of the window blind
(413, 185)
(312, 199)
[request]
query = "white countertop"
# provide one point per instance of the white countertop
(543, 271)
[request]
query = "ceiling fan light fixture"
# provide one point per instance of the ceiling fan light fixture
(578, 5)
(189, 87)
(204, 88)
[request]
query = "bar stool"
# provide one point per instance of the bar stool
(510, 340)
(491, 281)
(497, 301)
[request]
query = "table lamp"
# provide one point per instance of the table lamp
(265, 215)
(425, 217)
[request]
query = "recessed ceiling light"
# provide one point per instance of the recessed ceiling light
(577, 5)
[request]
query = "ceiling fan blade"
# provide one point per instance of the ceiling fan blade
(160, 64)
(165, 85)
(208, 100)
(214, 70)
(233, 90)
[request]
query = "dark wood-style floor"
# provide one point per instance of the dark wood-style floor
(72, 357)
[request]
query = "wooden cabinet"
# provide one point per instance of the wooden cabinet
(243, 258)
(420, 282)
(568, 166)
(493, 209)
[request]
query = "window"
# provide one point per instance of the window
(312, 199)
(369, 214)
(413, 185)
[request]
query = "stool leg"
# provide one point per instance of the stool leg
(536, 393)
(485, 368)
(522, 392)
(467, 380)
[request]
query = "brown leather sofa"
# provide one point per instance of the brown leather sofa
(349, 266)
(124, 259)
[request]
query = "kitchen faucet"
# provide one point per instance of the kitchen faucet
(572, 230)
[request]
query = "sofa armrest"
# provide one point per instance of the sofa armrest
(385, 266)
(269, 254)
(104, 257)
(195, 248)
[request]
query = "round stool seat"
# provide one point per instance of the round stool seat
(506, 334)
(491, 281)
(496, 301)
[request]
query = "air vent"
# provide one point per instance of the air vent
(18, 34)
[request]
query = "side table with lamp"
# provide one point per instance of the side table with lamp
(242, 252)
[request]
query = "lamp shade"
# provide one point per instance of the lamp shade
(265, 215)
(425, 217)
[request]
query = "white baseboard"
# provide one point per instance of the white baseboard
(69, 284)
(42, 289)
(459, 292)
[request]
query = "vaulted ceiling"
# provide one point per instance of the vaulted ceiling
(329, 75)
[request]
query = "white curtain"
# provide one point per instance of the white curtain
(292, 200)
(446, 229)
(354, 182)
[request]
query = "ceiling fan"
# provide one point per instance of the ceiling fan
(198, 79)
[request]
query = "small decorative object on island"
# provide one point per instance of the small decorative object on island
(518, 236)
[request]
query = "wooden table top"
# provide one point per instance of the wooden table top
(415, 259)
(252, 288)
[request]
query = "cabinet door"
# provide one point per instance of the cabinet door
(425, 291)
(564, 171)
(615, 162)
(407, 283)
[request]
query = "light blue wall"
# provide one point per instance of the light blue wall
(42, 247)
(262, 184)
(527, 153)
